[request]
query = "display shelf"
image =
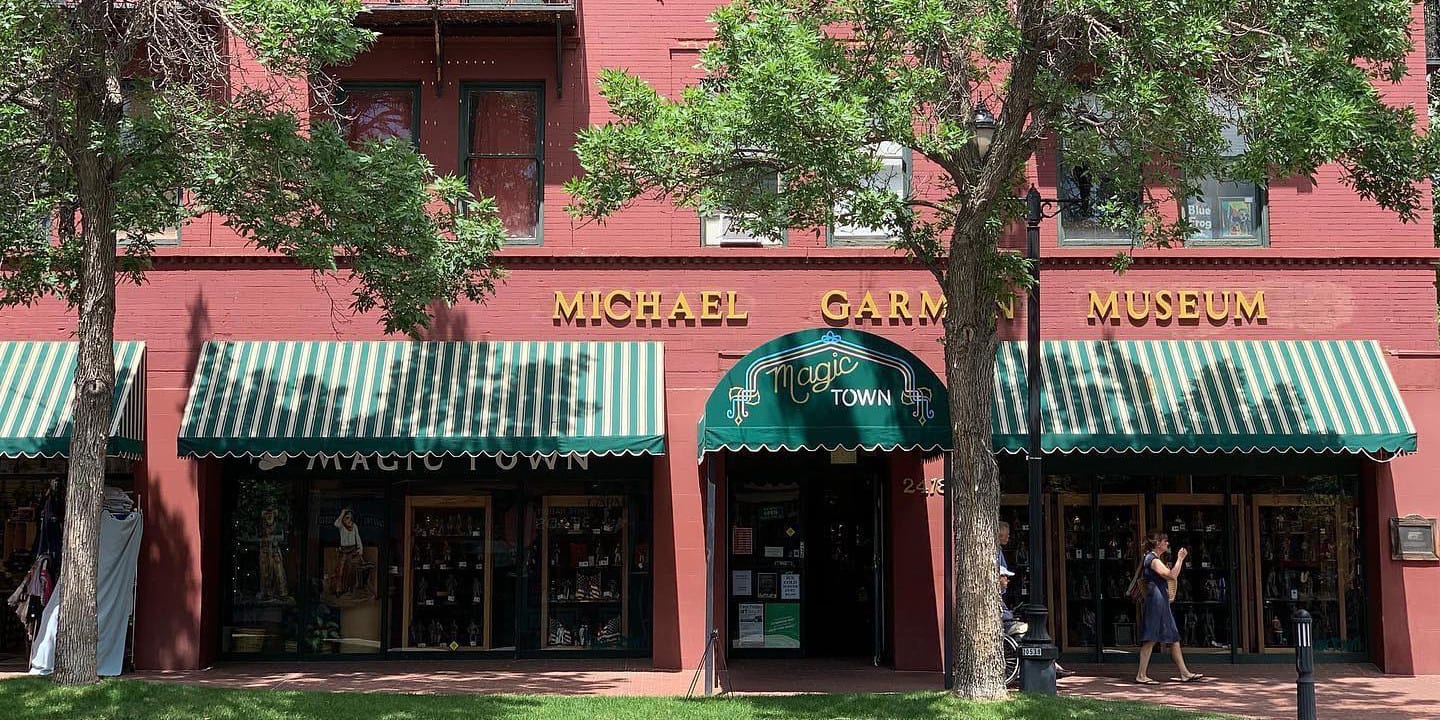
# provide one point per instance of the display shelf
(1302, 560)
(446, 604)
(1203, 600)
(584, 577)
(1098, 556)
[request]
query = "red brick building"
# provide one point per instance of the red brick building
(282, 534)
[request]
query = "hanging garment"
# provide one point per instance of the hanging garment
(115, 598)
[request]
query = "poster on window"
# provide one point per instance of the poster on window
(765, 586)
(752, 625)
(742, 541)
(782, 625)
(790, 586)
(1237, 215)
(740, 583)
(1200, 216)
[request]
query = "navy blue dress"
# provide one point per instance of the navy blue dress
(1158, 624)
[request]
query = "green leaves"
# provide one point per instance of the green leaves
(378, 214)
(297, 37)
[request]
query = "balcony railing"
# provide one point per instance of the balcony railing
(389, 12)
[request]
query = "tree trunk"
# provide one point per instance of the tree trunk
(96, 107)
(969, 375)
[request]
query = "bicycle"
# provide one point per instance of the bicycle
(1010, 652)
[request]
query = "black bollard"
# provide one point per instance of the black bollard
(1304, 667)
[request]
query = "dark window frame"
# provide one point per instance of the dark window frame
(467, 92)
(1115, 241)
(390, 86)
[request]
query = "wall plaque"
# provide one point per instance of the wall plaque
(1412, 538)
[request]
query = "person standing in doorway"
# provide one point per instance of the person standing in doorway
(1158, 623)
(1002, 538)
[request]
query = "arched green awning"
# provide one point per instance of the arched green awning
(827, 389)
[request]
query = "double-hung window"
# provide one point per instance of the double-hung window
(136, 107)
(1089, 223)
(719, 228)
(504, 146)
(1227, 212)
(378, 111)
(893, 177)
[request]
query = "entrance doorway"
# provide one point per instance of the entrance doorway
(806, 556)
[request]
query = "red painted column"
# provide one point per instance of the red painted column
(679, 538)
(917, 565)
(172, 630)
(1404, 486)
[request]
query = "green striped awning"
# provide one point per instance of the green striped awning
(1205, 396)
(37, 394)
(426, 398)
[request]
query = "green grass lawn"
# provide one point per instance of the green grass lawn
(37, 699)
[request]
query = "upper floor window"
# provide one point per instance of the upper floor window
(378, 111)
(1090, 222)
(720, 229)
(137, 108)
(894, 177)
(504, 146)
(1227, 212)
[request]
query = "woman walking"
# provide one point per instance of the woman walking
(1158, 623)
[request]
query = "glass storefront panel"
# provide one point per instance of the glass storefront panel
(453, 555)
(347, 523)
(1260, 547)
(265, 540)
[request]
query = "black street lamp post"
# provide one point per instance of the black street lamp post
(1037, 651)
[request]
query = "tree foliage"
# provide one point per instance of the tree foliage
(186, 134)
(1140, 93)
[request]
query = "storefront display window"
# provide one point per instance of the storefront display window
(346, 526)
(433, 559)
(1260, 547)
(264, 569)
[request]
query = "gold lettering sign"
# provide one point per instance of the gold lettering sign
(893, 306)
(1187, 306)
(623, 307)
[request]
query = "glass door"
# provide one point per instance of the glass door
(767, 564)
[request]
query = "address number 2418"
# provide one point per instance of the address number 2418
(928, 486)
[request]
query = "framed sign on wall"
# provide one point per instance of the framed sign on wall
(1412, 538)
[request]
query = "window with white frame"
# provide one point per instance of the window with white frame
(720, 229)
(894, 177)
(139, 110)
(1227, 212)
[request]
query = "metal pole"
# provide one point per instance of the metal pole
(949, 640)
(1304, 667)
(1038, 652)
(711, 648)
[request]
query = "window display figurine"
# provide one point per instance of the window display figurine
(476, 589)
(437, 632)
(1207, 630)
(1277, 631)
(351, 580)
(452, 587)
(417, 635)
(1212, 592)
(272, 563)
(1191, 624)
(472, 634)
(1087, 628)
(1272, 585)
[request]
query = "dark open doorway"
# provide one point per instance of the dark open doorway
(806, 555)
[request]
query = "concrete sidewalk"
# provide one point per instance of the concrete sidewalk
(1267, 691)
